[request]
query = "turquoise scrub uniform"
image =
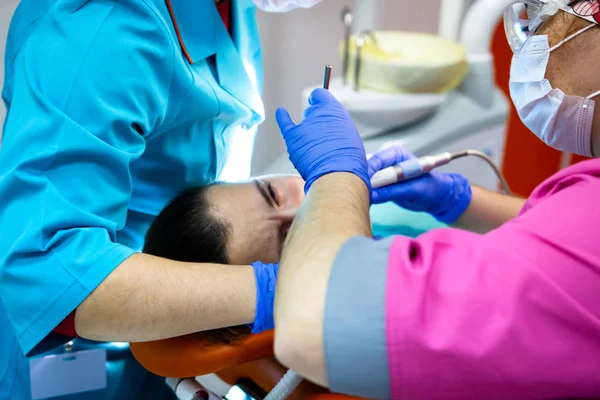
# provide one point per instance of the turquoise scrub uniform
(114, 107)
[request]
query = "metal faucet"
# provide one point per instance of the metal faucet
(360, 42)
(347, 19)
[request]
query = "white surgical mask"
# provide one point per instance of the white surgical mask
(562, 122)
(284, 5)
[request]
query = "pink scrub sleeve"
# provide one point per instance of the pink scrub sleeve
(513, 314)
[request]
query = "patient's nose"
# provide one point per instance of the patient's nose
(293, 191)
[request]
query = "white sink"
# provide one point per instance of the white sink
(376, 112)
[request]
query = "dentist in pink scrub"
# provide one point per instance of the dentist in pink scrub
(505, 304)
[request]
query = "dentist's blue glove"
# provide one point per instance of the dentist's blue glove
(325, 141)
(444, 196)
(266, 278)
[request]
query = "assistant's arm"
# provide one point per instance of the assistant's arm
(448, 197)
(85, 98)
(488, 210)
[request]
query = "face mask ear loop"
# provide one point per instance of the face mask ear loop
(556, 46)
(591, 96)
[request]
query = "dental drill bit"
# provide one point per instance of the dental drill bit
(327, 77)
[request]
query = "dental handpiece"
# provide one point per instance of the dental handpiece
(409, 169)
(417, 167)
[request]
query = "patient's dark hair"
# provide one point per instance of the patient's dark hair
(189, 230)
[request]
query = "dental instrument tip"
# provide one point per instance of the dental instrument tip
(327, 77)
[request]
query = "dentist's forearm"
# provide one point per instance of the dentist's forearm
(150, 298)
(489, 210)
(336, 209)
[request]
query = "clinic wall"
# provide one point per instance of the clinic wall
(7, 8)
(298, 45)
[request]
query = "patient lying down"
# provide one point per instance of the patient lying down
(227, 223)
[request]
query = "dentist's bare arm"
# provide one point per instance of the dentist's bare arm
(336, 209)
(489, 210)
(150, 298)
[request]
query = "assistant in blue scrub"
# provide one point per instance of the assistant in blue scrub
(113, 108)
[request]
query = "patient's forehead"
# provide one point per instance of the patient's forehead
(235, 201)
(254, 233)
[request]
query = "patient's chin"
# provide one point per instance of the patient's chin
(267, 257)
(272, 258)
(265, 248)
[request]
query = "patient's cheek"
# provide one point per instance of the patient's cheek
(261, 246)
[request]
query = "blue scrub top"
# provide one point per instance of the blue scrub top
(113, 108)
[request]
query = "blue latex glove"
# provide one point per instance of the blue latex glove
(266, 278)
(325, 141)
(444, 196)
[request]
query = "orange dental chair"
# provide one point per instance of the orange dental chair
(249, 364)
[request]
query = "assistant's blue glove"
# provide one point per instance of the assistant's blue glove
(266, 278)
(325, 141)
(444, 196)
